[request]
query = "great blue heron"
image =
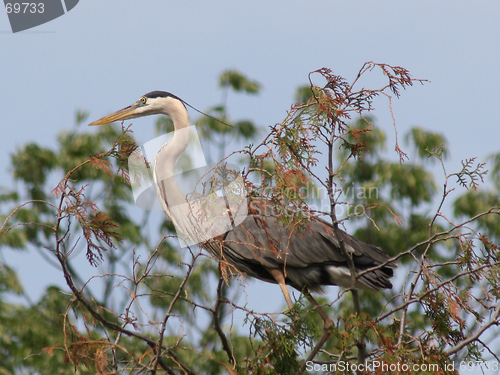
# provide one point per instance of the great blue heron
(261, 246)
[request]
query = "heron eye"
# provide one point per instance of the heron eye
(143, 100)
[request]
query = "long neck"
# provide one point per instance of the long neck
(170, 152)
(164, 163)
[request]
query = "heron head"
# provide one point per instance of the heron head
(152, 103)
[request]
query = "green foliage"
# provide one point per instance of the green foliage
(9, 282)
(32, 164)
(399, 200)
(31, 337)
(495, 170)
(425, 141)
(304, 94)
(238, 82)
(277, 350)
(474, 203)
(157, 309)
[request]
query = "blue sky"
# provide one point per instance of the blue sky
(104, 55)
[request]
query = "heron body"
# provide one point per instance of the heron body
(261, 246)
(308, 257)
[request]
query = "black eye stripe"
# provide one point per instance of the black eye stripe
(158, 94)
(161, 94)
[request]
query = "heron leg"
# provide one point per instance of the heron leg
(280, 279)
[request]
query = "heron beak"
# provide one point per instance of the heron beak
(122, 114)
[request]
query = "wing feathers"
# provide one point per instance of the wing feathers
(309, 257)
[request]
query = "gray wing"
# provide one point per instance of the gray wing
(309, 256)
